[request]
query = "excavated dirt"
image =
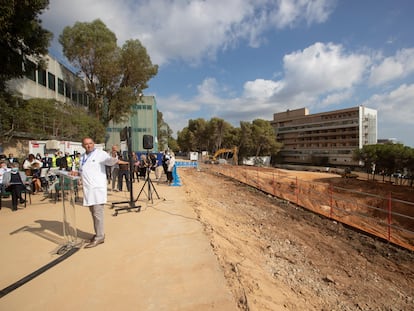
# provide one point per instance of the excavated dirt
(278, 256)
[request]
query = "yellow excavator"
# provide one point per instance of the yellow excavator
(230, 151)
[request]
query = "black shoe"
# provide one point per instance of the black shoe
(22, 201)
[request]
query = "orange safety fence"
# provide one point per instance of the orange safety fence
(388, 218)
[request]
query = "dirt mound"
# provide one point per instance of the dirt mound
(277, 256)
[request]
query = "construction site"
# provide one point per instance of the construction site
(225, 238)
(296, 240)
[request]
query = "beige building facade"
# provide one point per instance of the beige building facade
(54, 82)
(327, 138)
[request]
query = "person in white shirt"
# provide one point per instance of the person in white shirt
(3, 169)
(93, 173)
(170, 168)
(32, 168)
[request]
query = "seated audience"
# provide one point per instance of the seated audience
(32, 168)
(15, 183)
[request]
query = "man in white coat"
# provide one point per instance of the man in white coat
(93, 174)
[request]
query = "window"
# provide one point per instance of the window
(67, 90)
(30, 70)
(41, 77)
(74, 95)
(81, 98)
(51, 81)
(61, 87)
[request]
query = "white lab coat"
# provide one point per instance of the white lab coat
(92, 171)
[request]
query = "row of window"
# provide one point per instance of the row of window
(142, 107)
(48, 79)
(133, 129)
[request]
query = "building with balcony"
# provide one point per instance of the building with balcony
(327, 138)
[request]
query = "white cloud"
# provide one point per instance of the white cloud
(395, 113)
(323, 68)
(261, 88)
(291, 12)
(186, 30)
(396, 106)
(335, 98)
(394, 67)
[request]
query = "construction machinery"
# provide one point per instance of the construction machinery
(230, 153)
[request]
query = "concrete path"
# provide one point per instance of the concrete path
(156, 259)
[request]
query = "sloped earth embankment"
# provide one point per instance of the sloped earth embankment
(276, 256)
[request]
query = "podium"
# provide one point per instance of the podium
(70, 233)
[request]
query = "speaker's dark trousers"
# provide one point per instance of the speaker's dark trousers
(121, 174)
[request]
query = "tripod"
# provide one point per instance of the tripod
(126, 133)
(149, 184)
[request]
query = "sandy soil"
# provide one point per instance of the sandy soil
(277, 256)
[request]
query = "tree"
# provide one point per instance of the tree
(217, 129)
(164, 132)
(186, 140)
(21, 35)
(45, 118)
(199, 135)
(115, 76)
(388, 158)
(258, 139)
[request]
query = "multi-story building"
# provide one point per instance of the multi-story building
(327, 138)
(142, 120)
(59, 83)
(55, 82)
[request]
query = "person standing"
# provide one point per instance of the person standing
(164, 161)
(115, 169)
(93, 175)
(170, 168)
(14, 182)
(11, 159)
(124, 172)
(47, 161)
(3, 169)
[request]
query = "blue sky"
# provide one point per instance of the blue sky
(246, 59)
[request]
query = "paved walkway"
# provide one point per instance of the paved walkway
(157, 259)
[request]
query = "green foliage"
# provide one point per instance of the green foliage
(115, 76)
(252, 139)
(388, 158)
(258, 139)
(164, 133)
(21, 35)
(173, 145)
(46, 118)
